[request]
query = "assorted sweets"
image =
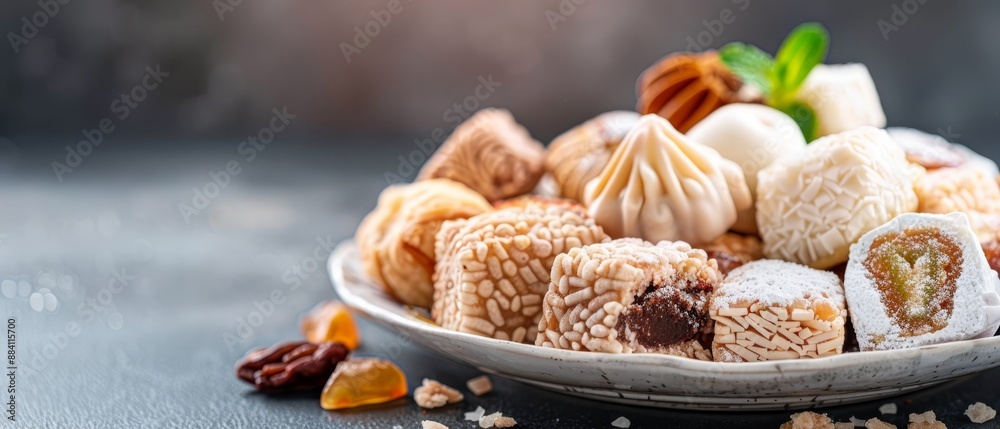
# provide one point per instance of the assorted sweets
(661, 185)
(753, 136)
(812, 206)
(630, 296)
(921, 279)
(490, 153)
(774, 310)
(493, 268)
(397, 238)
(752, 209)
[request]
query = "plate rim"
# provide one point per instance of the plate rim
(335, 267)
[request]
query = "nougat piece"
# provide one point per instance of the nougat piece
(493, 269)
(630, 296)
(774, 310)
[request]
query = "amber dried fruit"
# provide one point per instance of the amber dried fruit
(290, 366)
(992, 250)
(684, 88)
(363, 382)
(916, 273)
(331, 321)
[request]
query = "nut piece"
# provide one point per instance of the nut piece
(433, 394)
(490, 153)
(808, 420)
(810, 208)
(579, 154)
(775, 310)
(397, 238)
(630, 296)
(430, 424)
(290, 366)
(843, 97)
(731, 251)
(875, 423)
(925, 421)
(753, 136)
(493, 269)
(684, 88)
(980, 413)
(480, 386)
(661, 185)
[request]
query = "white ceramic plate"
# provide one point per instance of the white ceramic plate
(668, 381)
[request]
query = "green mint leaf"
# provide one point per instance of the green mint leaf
(802, 50)
(750, 64)
(805, 117)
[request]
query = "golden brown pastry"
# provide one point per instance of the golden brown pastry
(579, 154)
(397, 238)
(490, 153)
(685, 88)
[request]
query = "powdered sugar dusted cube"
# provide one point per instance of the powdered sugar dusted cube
(772, 310)
(921, 279)
(630, 296)
(493, 269)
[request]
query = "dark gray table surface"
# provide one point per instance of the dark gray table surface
(152, 351)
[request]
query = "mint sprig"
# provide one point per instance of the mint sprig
(780, 78)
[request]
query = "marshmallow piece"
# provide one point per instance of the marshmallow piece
(843, 97)
(660, 185)
(811, 207)
(921, 279)
(753, 136)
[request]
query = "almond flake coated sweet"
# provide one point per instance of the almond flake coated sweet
(432, 394)
(875, 423)
(776, 310)
(630, 296)
(396, 239)
(621, 422)
(925, 421)
(980, 413)
(808, 420)
(810, 208)
(948, 293)
(490, 153)
(661, 185)
(493, 269)
(480, 386)
(430, 424)
(578, 155)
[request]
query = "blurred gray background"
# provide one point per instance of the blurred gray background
(559, 63)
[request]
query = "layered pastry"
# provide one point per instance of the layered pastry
(774, 310)
(493, 269)
(811, 207)
(630, 296)
(490, 153)
(396, 239)
(660, 185)
(732, 250)
(753, 136)
(843, 96)
(580, 154)
(932, 151)
(684, 88)
(920, 279)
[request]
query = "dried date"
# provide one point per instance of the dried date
(290, 366)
